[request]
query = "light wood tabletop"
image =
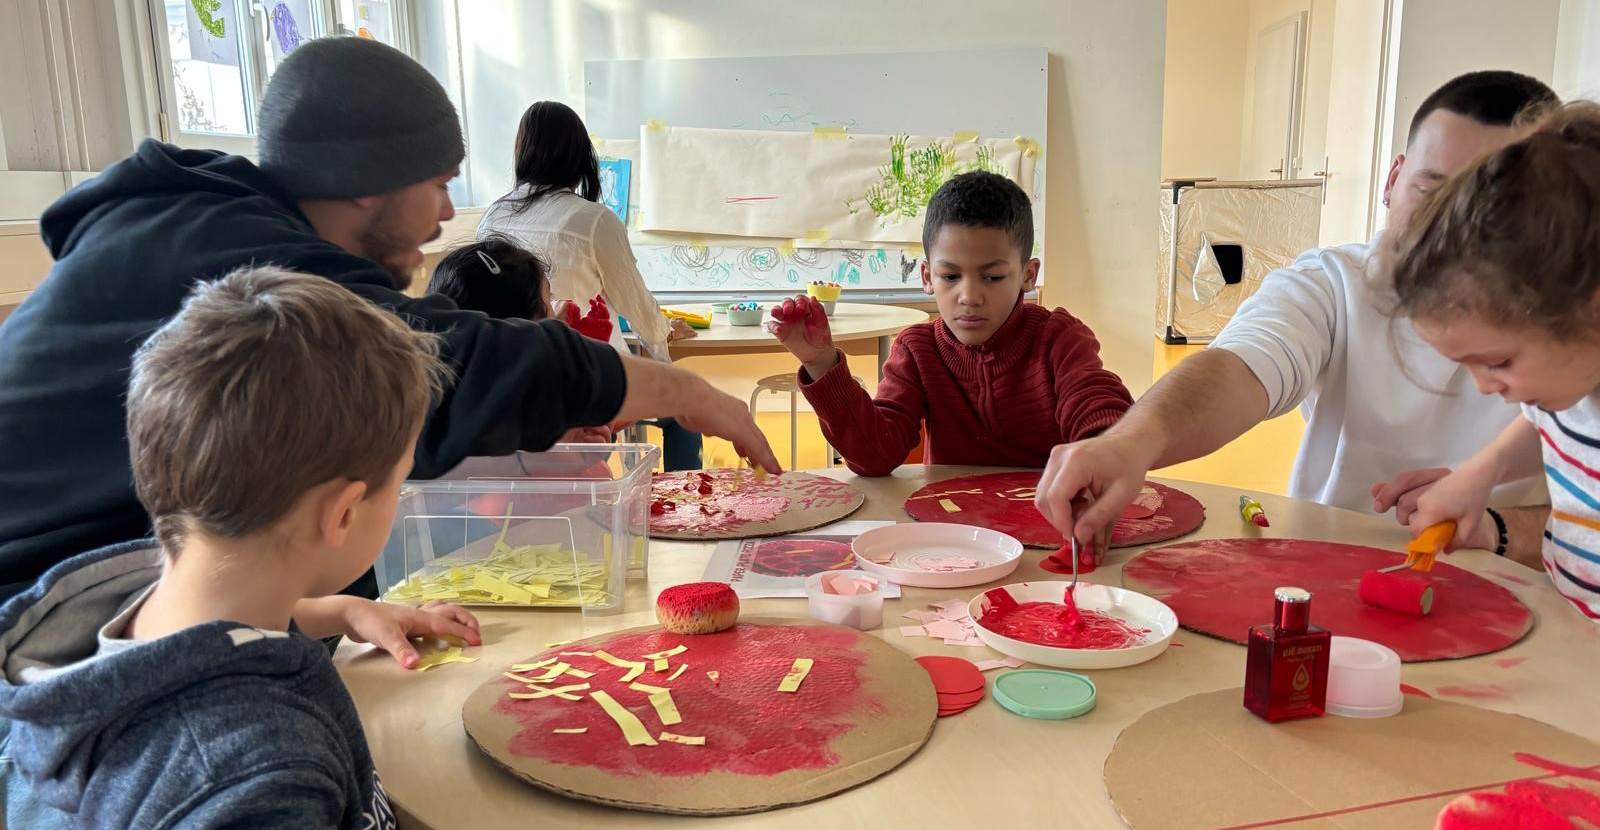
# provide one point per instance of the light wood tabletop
(849, 322)
(985, 767)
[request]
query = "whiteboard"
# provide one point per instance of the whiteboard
(999, 93)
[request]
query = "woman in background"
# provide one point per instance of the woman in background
(554, 210)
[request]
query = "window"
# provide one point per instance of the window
(217, 55)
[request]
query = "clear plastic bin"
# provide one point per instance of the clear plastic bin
(563, 528)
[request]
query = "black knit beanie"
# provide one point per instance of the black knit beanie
(345, 117)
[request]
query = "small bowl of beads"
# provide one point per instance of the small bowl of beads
(744, 314)
(826, 293)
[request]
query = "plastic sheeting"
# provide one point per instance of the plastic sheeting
(1229, 236)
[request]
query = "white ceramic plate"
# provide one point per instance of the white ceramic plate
(1133, 608)
(914, 542)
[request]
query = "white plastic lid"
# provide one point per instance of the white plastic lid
(1363, 679)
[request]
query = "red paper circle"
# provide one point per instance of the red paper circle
(952, 675)
(1004, 502)
(963, 700)
(1222, 587)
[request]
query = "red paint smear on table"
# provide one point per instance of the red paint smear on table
(1527, 805)
(1513, 579)
(1004, 502)
(750, 727)
(1222, 587)
(1490, 691)
(800, 557)
(1510, 662)
(1407, 688)
(736, 499)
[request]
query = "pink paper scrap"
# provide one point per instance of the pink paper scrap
(913, 631)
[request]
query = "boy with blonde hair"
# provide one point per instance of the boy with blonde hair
(179, 683)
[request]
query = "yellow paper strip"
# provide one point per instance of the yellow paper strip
(714, 676)
(828, 132)
(580, 673)
(612, 659)
(557, 643)
(561, 691)
(577, 653)
(949, 506)
(817, 236)
(531, 666)
(661, 698)
(671, 652)
(786, 247)
(655, 125)
(797, 673)
(631, 727)
(691, 740)
(660, 664)
(633, 673)
(575, 731)
(965, 136)
(438, 658)
(1030, 147)
(681, 667)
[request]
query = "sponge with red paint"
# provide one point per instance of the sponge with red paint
(698, 608)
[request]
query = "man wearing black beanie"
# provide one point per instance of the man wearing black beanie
(357, 144)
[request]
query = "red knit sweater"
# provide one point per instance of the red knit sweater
(1036, 383)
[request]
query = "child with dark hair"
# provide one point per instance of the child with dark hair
(996, 380)
(495, 276)
(1499, 274)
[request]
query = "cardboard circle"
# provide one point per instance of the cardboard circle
(951, 675)
(743, 507)
(1004, 502)
(1184, 765)
(1222, 587)
(863, 708)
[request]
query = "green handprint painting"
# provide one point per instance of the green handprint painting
(910, 178)
(214, 24)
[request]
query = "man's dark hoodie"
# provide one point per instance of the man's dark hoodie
(129, 244)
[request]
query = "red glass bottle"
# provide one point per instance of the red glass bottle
(1286, 668)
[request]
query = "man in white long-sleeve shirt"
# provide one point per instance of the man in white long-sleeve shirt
(1381, 406)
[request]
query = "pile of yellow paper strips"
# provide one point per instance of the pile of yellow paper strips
(544, 575)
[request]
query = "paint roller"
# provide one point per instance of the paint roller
(1404, 593)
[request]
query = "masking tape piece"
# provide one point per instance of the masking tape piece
(965, 136)
(915, 251)
(631, 728)
(817, 236)
(797, 673)
(786, 247)
(829, 132)
(655, 125)
(573, 731)
(691, 740)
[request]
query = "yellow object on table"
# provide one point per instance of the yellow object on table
(695, 321)
(542, 575)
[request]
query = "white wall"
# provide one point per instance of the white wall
(1104, 152)
(1202, 107)
(1355, 94)
(1440, 39)
(1577, 69)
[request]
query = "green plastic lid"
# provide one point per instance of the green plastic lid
(1045, 694)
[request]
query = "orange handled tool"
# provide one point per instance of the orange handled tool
(1421, 550)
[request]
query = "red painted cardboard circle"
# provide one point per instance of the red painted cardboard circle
(962, 700)
(1222, 587)
(1004, 502)
(742, 506)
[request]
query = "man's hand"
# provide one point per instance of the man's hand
(1110, 469)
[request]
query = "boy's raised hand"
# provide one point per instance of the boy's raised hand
(801, 326)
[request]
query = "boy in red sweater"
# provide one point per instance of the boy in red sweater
(998, 381)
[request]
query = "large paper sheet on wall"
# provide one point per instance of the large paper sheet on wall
(812, 187)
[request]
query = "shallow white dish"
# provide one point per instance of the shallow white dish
(912, 542)
(1133, 608)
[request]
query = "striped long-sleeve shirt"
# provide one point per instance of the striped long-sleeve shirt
(1570, 440)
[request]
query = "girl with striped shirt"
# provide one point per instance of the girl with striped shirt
(1500, 272)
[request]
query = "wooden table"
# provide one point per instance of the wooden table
(984, 768)
(850, 321)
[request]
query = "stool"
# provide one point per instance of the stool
(790, 383)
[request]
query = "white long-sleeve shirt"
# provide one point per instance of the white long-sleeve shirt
(587, 248)
(1378, 400)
